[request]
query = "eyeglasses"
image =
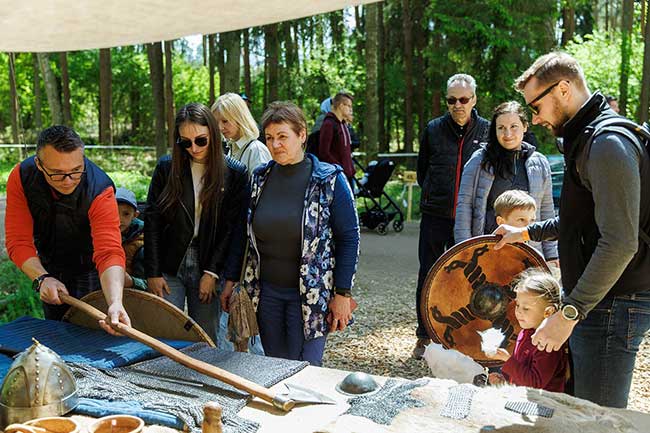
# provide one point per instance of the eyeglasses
(548, 90)
(60, 177)
(463, 100)
(186, 143)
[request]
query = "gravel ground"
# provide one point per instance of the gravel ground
(381, 340)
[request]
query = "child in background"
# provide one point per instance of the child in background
(515, 208)
(538, 297)
(132, 229)
(518, 209)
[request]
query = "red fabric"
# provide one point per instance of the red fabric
(334, 146)
(535, 368)
(104, 226)
(459, 168)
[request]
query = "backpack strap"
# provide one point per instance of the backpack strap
(639, 134)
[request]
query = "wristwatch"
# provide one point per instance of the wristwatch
(570, 312)
(36, 284)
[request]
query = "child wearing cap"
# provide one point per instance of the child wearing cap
(132, 229)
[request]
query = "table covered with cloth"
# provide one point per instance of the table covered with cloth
(401, 405)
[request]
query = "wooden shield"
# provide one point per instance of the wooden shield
(469, 289)
(149, 313)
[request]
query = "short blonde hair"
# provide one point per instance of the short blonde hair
(551, 68)
(511, 200)
(232, 107)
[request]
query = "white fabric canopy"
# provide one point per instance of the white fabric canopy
(68, 25)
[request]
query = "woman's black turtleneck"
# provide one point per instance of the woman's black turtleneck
(277, 223)
(517, 179)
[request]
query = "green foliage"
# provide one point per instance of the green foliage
(17, 298)
(599, 54)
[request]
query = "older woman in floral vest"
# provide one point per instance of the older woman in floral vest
(303, 235)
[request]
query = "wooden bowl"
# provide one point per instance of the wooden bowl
(56, 424)
(117, 424)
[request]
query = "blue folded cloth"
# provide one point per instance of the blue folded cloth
(100, 408)
(78, 344)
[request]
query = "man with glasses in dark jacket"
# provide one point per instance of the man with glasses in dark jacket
(445, 146)
(62, 226)
(602, 229)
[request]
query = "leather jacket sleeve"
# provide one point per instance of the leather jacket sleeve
(154, 224)
(228, 252)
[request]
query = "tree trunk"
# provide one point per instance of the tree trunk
(154, 54)
(407, 25)
(419, 44)
(271, 46)
(248, 87)
(232, 44)
(336, 28)
(568, 23)
(371, 126)
(358, 20)
(645, 81)
(38, 98)
(220, 52)
(212, 59)
(15, 107)
(105, 96)
(626, 51)
(51, 88)
(65, 89)
(384, 146)
(204, 39)
(169, 93)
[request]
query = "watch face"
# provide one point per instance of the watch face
(570, 312)
(35, 284)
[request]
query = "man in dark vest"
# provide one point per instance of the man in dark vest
(62, 225)
(604, 212)
(445, 147)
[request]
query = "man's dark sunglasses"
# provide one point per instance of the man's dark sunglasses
(463, 100)
(199, 141)
(548, 90)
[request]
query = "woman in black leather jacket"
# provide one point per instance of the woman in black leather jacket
(195, 218)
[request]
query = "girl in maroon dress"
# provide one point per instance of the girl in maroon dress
(538, 297)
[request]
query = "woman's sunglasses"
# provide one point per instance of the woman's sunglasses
(199, 141)
(463, 100)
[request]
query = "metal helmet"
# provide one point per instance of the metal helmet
(38, 384)
(357, 384)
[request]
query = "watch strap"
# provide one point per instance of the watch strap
(38, 281)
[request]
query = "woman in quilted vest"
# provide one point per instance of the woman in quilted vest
(504, 163)
(303, 236)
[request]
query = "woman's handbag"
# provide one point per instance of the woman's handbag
(242, 320)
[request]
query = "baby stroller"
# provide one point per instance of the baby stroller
(377, 215)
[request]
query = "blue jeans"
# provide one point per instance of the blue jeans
(185, 285)
(604, 348)
(279, 317)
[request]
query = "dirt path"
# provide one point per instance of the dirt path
(382, 338)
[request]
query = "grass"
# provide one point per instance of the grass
(17, 298)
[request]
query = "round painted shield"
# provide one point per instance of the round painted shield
(149, 313)
(469, 290)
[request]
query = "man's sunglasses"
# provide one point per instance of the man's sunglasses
(186, 144)
(548, 90)
(463, 100)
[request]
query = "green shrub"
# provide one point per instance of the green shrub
(17, 298)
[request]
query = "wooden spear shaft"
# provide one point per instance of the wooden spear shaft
(238, 382)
